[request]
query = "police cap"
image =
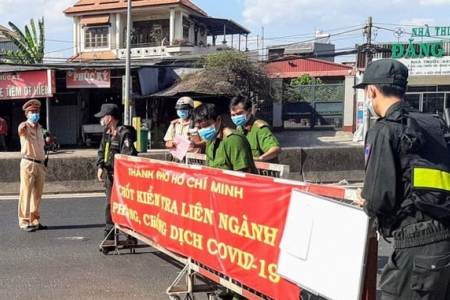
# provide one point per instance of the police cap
(385, 71)
(109, 109)
(32, 104)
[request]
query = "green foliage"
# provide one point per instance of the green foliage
(30, 44)
(305, 79)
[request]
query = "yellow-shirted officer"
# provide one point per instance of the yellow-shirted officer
(184, 126)
(32, 169)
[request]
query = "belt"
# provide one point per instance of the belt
(33, 160)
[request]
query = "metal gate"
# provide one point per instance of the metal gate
(315, 106)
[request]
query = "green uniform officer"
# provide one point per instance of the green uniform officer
(264, 144)
(225, 149)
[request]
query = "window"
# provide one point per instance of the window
(96, 37)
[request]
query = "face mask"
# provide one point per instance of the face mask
(208, 133)
(33, 118)
(240, 120)
(102, 122)
(371, 109)
(183, 113)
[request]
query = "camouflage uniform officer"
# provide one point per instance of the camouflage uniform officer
(264, 144)
(225, 149)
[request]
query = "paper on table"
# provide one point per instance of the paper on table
(182, 147)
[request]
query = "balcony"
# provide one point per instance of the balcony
(147, 51)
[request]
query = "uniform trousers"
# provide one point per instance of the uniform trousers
(418, 269)
(108, 219)
(32, 177)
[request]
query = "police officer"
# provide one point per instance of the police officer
(407, 186)
(117, 139)
(264, 144)
(183, 126)
(225, 149)
(32, 168)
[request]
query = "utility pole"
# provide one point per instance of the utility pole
(127, 100)
(369, 56)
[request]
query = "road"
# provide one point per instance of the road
(63, 262)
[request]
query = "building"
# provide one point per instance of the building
(328, 105)
(426, 53)
(6, 44)
(166, 35)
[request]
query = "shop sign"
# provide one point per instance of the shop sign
(430, 31)
(428, 66)
(88, 79)
(418, 50)
(30, 84)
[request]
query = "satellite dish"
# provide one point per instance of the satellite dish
(399, 32)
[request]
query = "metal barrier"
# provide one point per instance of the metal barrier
(264, 169)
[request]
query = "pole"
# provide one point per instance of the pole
(127, 112)
(369, 56)
(47, 104)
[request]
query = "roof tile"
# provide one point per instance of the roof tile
(98, 55)
(87, 6)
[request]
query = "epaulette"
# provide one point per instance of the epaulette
(176, 121)
(259, 123)
(227, 132)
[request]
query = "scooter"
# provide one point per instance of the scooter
(50, 141)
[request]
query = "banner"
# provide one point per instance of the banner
(29, 84)
(231, 222)
(88, 79)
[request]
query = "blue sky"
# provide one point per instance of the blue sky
(283, 21)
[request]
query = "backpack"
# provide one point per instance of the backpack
(425, 149)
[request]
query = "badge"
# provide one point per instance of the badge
(367, 153)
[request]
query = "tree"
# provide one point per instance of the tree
(246, 74)
(30, 44)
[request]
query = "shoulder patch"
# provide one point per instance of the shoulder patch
(176, 121)
(227, 132)
(367, 153)
(259, 124)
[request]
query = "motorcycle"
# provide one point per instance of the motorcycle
(51, 143)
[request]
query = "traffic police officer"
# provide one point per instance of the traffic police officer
(225, 149)
(117, 139)
(264, 144)
(407, 186)
(182, 126)
(32, 168)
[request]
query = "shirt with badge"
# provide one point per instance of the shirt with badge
(31, 141)
(260, 137)
(229, 151)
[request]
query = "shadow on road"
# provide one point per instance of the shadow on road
(62, 227)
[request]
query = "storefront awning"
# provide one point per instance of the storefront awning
(94, 20)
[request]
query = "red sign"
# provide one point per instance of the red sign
(88, 79)
(30, 84)
(232, 223)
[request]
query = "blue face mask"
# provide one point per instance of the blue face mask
(239, 120)
(183, 113)
(208, 133)
(33, 118)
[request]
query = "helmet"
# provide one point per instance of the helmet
(183, 102)
(197, 103)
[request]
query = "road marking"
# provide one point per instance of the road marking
(56, 196)
(72, 238)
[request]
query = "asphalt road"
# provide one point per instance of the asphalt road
(63, 262)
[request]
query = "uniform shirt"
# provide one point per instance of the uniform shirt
(229, 151)
(260, 137)
(32, 141)
(180, 127)
(119, 141)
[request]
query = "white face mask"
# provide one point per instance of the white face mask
(369, 104)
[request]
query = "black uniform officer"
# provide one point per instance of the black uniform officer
(407, 186)
(116, 139)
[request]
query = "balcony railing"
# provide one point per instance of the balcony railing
(142, 51)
